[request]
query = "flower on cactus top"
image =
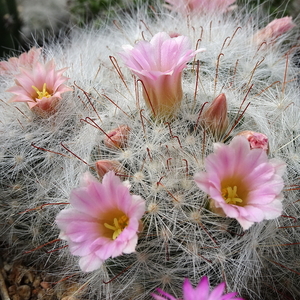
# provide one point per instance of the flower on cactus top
(103, 222)
(256, 139)
(242, 182)
(201, 292)
(199, 6)
(159, 64)
(273, 30)
(41, 87)
(25, 60)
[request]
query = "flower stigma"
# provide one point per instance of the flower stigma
(118, 226)
(43, 93)
(230, 195)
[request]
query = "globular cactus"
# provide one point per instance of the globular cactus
(104, 124)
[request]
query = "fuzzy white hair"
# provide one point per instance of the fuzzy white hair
(41, 160)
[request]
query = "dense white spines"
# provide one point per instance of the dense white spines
(180, 237)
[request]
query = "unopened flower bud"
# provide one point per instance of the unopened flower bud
(273, 30)
(215, 118)
(117, 138)
(174, 34)
(104, 166)
(256, 139)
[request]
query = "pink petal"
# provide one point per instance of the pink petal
(202, 287)
(68, 215)
(273, 211)
(130, 246)
(245, 223)
(80, 249)
(251, 213)
(85, 201)
(217, 292)
(90, 263)
(107, 250)
(202, 181)
(166, 295)
(81, 231)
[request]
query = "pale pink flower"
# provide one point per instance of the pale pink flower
(256, 139)
(25, 60)
(103, 222)
(41, 87)
(201, 292)
(273, 30)
(215, 118)
(117, 138)
(159, 64)
(243, 182)
(195, 7)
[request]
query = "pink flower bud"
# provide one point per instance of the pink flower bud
(117, 138)
(273, 30)
(256, 139)
(215, 118)
(104, 166)
(174, 34)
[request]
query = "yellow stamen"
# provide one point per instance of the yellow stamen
(118, 226)
(43, 93)
(230, 195)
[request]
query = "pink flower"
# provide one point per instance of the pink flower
(256, 139)
(199, 6)
(103, 222)
(25, 60)
(41, 87)
(215, 118)
(243, 183)
(159, 64)
(273, 30)
(201, 292)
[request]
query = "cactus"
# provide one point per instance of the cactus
(43, 158)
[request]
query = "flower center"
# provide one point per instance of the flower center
(230, 195)
(43, 93)
(118, 226)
